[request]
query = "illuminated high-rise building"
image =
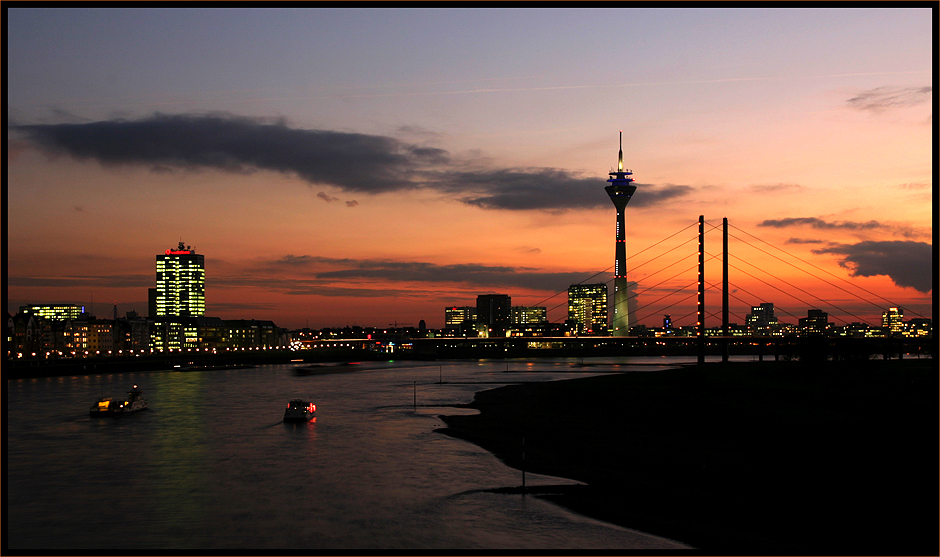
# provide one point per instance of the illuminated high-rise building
(181, 284)
(587, 308)
(620, 190)
(893, 321)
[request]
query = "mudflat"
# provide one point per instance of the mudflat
(828, 458)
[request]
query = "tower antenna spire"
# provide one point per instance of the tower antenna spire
(620, 161)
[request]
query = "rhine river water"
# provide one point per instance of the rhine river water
(211, 465)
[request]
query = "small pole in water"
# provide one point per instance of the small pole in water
(416, 396)
(523, 464)
(440, 381)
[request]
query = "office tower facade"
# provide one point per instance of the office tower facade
(181, 284)
(494, 313)
(454, 316)
(761, 321)
(815, 323)
(893, 321)
(587, 308)
(525, 315)
(620, 190)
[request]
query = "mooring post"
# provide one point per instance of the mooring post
(416, 396)
(523, 464)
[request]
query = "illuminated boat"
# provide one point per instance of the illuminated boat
(104, 406)
(299, 411)
(107, 406)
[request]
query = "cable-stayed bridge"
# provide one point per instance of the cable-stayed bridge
(674, 277)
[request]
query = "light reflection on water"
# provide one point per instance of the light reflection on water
(211, 464)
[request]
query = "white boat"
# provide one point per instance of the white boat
(299, 411)
(135, 402)
(107, 406)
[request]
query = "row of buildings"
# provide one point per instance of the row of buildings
(176, 320)
(494, 315)
(68, 331)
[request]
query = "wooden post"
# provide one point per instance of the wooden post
(523, 464)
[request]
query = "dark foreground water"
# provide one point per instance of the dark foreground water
(211, 464)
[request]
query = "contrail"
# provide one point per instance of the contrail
(476, 91)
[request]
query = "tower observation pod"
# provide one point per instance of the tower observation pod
(620, 190)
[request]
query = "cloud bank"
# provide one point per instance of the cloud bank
(485, 276)
(351, 162)
(909, 264)
(813, 222)
(880, 99)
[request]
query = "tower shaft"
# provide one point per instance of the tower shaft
(620, 190)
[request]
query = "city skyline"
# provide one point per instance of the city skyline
(335, 177)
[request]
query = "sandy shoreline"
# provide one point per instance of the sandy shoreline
(758, 458)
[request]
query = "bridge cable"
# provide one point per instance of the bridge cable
(798, 288)
(816, 267)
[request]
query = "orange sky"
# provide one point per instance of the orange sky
(466, 178)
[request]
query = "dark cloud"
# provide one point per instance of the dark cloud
(549, 188)
(804, 241)
(326, 269)
(763, 188)
(819, 223)
(351, 162)
(900, 230)
(909, 264)
(469, 273)
(111, 281)
(883, 98)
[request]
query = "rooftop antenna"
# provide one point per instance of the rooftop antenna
(620, 160)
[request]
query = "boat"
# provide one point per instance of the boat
(104, 406)
(299, 411)
(107, 406)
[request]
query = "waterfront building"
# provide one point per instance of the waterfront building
(816, 323)
(493, 314)
(620, 190)
(892, 321)
(761, 321)
(587, 308)
(181, 284)
(251, 333)
(455, 316)
(919, 327)
(54, 312)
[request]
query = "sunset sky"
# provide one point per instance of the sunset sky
(368, 166)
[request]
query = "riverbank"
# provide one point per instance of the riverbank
(758, 458)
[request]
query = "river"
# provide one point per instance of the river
(211, 465)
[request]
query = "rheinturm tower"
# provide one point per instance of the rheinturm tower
(620, 190)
